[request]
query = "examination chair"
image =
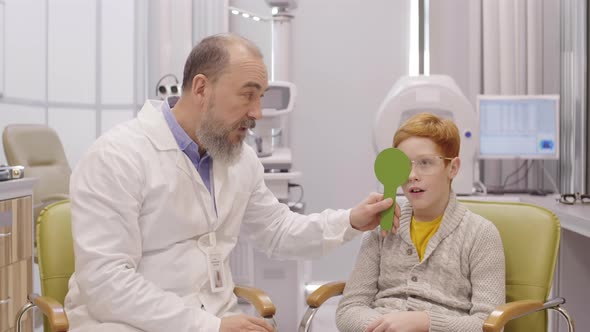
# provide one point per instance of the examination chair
(56, 265)
(530, 235)
(38, 148)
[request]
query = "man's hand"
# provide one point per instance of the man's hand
(242, 322)
(405, 321)
(367, 215)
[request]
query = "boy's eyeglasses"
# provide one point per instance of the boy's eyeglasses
(427, 165)
(573, 198)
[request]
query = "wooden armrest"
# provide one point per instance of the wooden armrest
(258, 299)
(324, 292)
(53, 310)
(509, 311)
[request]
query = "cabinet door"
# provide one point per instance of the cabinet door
(16, 229)
(16, 282)
(5, 300)
(20, 282)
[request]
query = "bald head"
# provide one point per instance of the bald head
(213, 55)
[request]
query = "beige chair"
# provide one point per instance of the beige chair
(39, 150)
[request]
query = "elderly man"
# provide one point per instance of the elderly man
(158, 203)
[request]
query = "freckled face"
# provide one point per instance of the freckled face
(428, 193)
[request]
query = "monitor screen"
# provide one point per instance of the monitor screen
(518, 127)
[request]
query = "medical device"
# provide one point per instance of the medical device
(518, 127)
(11, 172)
(164, 91)
(283, 280)
(440, 95)
(278, 100)
(267, 137)
(286, 4)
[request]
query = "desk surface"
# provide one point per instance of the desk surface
(16, 188)
(574, 218)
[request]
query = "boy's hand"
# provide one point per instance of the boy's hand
(401, 321)
(367, 214)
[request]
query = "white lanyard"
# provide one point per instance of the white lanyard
(208, 242)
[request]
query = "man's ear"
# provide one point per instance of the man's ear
(200, 86)
(454, 169)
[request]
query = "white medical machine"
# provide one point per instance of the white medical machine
(164, 91)
(436, 94)
(268, 141)
(282, 280)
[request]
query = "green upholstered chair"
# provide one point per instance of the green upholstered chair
(530, 235)
(56, 265)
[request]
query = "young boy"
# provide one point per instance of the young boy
(444, 268)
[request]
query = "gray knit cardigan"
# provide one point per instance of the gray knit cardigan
(459, 282)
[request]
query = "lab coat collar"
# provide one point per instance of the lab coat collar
(158, 132)
(152, 120)
(156, 129)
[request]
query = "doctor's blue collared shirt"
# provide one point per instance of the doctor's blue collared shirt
(202, 164)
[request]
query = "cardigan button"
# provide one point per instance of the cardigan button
(414, 278)
(409, 252)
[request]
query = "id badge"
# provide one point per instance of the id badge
(215, 266)
(216, 270)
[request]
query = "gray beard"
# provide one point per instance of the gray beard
(213, 136)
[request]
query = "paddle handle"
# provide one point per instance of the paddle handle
(387, 215)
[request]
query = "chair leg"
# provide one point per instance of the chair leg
(20, 315)
(568, 318)
(306, 320)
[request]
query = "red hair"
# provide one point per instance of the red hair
(443, 132)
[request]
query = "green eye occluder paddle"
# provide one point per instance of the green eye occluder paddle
(392, 168)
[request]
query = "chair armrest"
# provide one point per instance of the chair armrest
(324, 292)
(509, 311)
(53, 310)
(258, 299)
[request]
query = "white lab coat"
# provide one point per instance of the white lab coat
(138, 210)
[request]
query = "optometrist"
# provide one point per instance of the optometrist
(158, 203)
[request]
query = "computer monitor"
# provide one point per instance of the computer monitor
(518, 127)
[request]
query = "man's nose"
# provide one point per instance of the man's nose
(255, 112)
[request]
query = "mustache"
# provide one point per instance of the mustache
(248, 124)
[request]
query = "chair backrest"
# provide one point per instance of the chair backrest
(530, 235)
(38, 148)
(55, 250)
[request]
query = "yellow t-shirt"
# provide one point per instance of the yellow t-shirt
(421, 232)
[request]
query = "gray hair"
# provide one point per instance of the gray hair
(211, 57)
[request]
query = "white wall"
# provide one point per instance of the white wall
(258, 32)
(69, 64)
(346, 56)
(169, 42)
